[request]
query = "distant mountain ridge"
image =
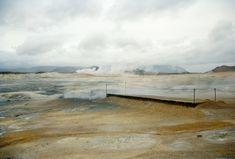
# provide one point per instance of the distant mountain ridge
(141, 69)
(159, 69)
(223, 68)
(60, 69)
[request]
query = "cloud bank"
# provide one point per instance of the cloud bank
(195, 34)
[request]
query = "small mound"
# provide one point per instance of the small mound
(16, 96)
(213, 105)
(194, 127)
(21, 96)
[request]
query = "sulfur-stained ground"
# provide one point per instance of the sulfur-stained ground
(58, 116)
(117, 128)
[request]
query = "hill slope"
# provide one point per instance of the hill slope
(223, 68)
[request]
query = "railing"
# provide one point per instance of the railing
(187, 93)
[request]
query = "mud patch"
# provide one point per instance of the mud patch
(122, 142)
(85, 94)
(84, 105)
(194, 127)
(220, 136)
(214, 105)
(2, 130)
(28, 116)
(11, 97)
(180, 145)
(167, 122)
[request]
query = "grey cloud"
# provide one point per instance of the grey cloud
(10, 59)
(70, 8)
(137, 8)
(5, 59)
(111, 49)
(27, 13)
(102, 42)
(38, 45)
(229, 3)
(90, 34)
(219, 48)
(3, 9)
(221, 43)
(223, 31)
(127, 42)
(94, 43)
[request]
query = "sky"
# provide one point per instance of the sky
(195, 34)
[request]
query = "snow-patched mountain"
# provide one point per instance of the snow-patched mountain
(159, 69)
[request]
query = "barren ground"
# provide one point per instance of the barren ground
(48, 127)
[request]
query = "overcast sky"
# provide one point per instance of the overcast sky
(194, 34)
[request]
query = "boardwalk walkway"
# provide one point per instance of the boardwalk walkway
(151, 98)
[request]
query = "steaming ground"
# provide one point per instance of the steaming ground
(67, 116)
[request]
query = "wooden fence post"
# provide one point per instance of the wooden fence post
(215, 94)
(194, 95)
(125, 87)
(106, 89)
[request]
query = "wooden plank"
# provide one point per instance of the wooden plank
(174, 102)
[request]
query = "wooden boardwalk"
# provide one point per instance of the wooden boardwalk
(156, 99)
